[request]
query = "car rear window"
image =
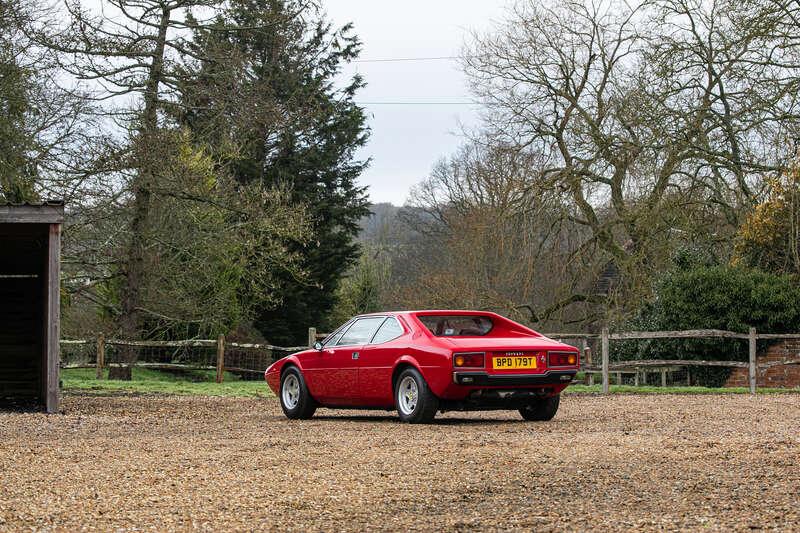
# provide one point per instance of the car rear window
(457, 325)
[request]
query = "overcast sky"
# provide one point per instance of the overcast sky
(408, 139)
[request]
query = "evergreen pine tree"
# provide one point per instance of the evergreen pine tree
(291, 124)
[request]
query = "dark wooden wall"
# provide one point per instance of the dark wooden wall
(23, 277)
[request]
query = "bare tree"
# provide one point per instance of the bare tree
(656, 120)
(494, 242)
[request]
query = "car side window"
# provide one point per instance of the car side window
(336, 335)
(361, 331)
(389, 330)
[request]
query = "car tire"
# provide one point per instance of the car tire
(541, 409)
(296, 402)
(415, 402)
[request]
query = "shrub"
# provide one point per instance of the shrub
(713, 297)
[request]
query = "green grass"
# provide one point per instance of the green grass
(649, 389)
(148, 381)
(201, 383)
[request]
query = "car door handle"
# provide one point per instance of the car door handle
(355, 355)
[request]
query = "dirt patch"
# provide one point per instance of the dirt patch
(622, 462)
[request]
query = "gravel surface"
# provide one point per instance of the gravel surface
(621, 462)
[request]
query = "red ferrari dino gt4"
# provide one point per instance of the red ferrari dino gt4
(421, 362)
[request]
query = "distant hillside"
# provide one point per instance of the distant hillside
(379, 227)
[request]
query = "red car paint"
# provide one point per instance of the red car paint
(362, 375)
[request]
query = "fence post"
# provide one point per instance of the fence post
(663, 377)
(100, 361)
(588, 350)
(604, 348)
(636, 378)
(753, 376)
(312, 337)
(220, 358)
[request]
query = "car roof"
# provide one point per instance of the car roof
(429, 312)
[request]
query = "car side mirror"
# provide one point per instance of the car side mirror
(318, 346)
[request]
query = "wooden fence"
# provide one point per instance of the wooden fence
(219, 349)
(606, 367)
(606, 337)
(215, 356)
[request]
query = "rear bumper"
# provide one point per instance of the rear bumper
(482, 379)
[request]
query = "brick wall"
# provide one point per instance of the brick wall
(779, 376)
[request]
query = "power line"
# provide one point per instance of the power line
(400, 59)
(405, 59)
(422, 103)
(428, 104)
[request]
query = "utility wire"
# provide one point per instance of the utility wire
(406, 59)
(421, 103)
(400, 59)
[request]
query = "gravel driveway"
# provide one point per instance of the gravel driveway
(621, 462)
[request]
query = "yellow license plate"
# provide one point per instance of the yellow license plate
(513, 362)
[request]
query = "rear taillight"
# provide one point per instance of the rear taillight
(473, 360)
(562, 359)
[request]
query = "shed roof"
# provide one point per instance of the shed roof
(47, 212)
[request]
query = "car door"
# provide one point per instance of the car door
(321, 368)
(335, 367)
(376, 363)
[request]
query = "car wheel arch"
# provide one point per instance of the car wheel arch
(294, 363)
(290, 361)
(287, 365)
(401, 364)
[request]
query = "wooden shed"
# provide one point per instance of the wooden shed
(30, 249)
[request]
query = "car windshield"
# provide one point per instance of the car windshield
(457, 325)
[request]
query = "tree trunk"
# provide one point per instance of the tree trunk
(135, 265)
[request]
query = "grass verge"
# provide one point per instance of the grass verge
(649, 389)
(148, 381)
(201, 383)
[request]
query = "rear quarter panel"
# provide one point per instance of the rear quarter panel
(432, 362)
